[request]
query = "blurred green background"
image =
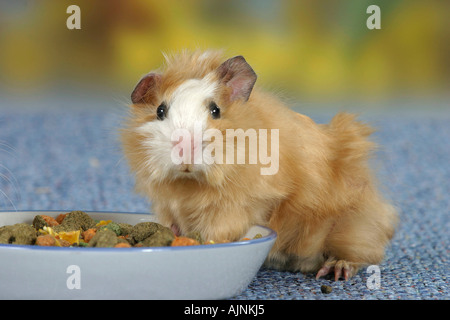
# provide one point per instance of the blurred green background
(317, 53)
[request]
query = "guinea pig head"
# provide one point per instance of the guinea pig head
(180, 114)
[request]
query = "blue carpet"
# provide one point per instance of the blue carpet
(71, 159)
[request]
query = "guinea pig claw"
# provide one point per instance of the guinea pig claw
(347, 274)
(337, 273)
(323, 272)
(341, 269)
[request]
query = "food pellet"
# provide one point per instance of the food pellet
(88, 234)
(50, 221)
(60, 217)
(184, 241)
(122, 245)
(46, 241)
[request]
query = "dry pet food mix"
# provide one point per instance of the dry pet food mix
(78, 229)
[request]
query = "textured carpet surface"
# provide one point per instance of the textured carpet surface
(67, 160)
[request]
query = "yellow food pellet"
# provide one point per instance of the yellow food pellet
(71, 236)
(103, 223)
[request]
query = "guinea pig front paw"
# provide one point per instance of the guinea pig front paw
(341, 268)
(175, 229)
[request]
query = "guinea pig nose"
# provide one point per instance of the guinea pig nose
(185, 141)
(184, 146)
(175, 142)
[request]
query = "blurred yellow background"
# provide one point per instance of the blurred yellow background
(312, 51)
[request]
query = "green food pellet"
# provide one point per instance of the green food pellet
(113, 227)
(19, 233)
(143, 230)
(103, 239)
(161, 238)
(196, 236)
(75, 220)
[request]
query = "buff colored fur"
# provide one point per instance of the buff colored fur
(323, 202)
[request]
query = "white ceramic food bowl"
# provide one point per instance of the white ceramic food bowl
(196, 272)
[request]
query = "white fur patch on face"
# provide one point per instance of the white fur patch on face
(187, 106)
(187, 110)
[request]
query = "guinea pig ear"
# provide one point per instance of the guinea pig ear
(237, 74)
(145, 90)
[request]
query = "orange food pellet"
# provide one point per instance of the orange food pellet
(61, 217)
(122, 245)
(50, 221)
(184, 241)
(46, 241)
(88, 234)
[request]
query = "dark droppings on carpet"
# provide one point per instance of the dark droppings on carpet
(325, 289)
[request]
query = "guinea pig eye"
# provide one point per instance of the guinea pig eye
(161, 111)
(215, 110)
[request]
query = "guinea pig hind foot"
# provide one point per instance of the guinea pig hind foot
(341, 268)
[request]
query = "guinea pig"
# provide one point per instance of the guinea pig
(215, 154)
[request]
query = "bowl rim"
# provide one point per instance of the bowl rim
(272, 235)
